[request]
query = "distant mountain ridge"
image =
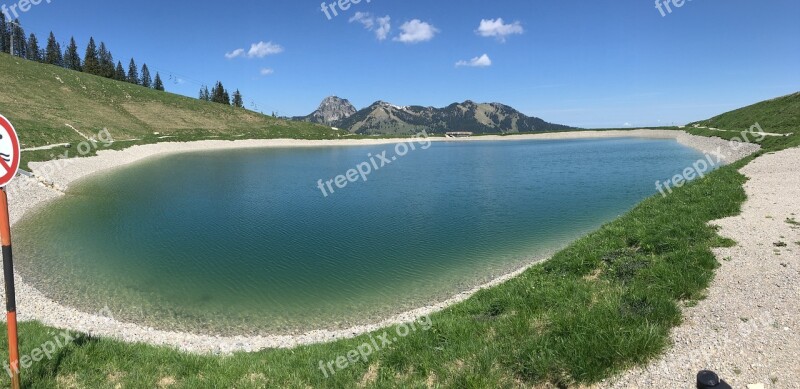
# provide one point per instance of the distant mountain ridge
(382, 118)
(330, 110)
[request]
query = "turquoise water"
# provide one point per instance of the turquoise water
(244, 242)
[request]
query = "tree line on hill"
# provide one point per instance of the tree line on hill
(97, 61)
(218, 94)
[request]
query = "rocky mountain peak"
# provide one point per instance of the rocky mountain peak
(332, 109)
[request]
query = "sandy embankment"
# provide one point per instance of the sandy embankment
(26, 194)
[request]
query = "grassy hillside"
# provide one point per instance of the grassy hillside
(41, 100)
(780, 116)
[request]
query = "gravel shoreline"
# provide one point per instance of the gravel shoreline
(747, 328)
(26, 194)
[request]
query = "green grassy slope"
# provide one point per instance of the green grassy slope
(40, 100)
(779, 116)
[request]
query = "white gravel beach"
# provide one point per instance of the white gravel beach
(748, 328)
(26, 194)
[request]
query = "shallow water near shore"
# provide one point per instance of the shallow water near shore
(244, 242)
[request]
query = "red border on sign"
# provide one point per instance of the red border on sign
(11, 171)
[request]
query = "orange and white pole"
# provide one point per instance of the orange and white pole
(11, 299)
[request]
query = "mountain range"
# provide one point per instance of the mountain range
(382, 118)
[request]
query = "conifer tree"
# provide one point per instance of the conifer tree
(238, 102)
(147, 81)
(71, 58)
(220, 95)
(158, 84)
(205, 95)
(5, 34)
(119, 73)
(91, 60)
(33, 53)
(133, 73)
(52, 54)
(106, 60)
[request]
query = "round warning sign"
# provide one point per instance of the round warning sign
(9, 151)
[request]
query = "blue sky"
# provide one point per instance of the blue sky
(576, 62)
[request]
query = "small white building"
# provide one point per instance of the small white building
(458, 134)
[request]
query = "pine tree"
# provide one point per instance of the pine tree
(119, 73)
(238, 102)
(71, 58)
(158, 84)
(147, 81)
(133, 73)
(205, 95)
(219, 95)
(106, 61)
(91, 60)
(5, 35)
(33, 52)
(216, 93)
(52, 54)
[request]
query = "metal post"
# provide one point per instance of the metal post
(11, 299)
(12, 38)
(12, 23)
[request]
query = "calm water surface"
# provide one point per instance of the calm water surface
(244, 242)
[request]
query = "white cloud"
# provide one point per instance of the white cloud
(263, 49)
(627, 124)
(266, 71)
(257, 50)
(477, 62)
(498, 29)
(384, 27)
(380, 26)
(416, 31)
(234, 54)
(365, 19)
